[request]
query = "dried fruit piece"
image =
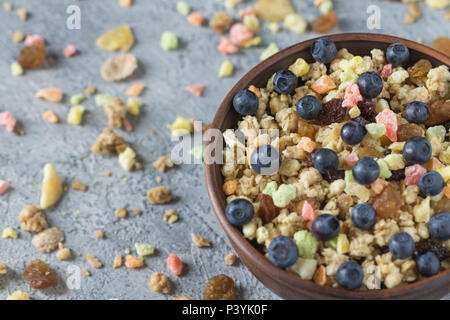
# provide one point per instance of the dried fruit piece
(133, 262)
(120, 38)
(8, 120)
(273, 10)
(49, 94)
(135, 90)
(387, 71)
(367, 109)
(3, 186)
(19, 295)
(389, 119)
(323, 85)
(75, 115)
(51, 189)
(168, 41)
(220, 287)
(33, 39)
(267, 210)
(196, 89)
(32, 57)
(226, 69)
(332, 112)
(325, 23)
(351, 159)
(174, 264)
(93, 261)
(420, 68)
(48, 240)
(196, 18)
(69, 51)
(352, 96)
(50, 116)
(119, 67)
(226, 46)
(440, 112)
(39, 275)
(413, 174)
(434, 164)
(388, 202)
(442, 44)
(239, 33)
(408, 130)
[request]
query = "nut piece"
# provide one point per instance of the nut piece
(76, 185)
(63, 253)
(170, 216)
(230, 259)
(116, 111)
(162, 163)
(33, 219)
(320, 276)
(121, 213)
(85, 272)
(109, 142)
(48, 240)
(159, 283)
(137, 212)
(51, 189)
(159, 195)
(3, 269)
(117, 263)
(99, 234)
(199, 241)
(93, 261)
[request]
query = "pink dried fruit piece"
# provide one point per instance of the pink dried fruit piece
(69, 51)
(196, 89)
(351, 159)
(8, 120)
(389, 119)
(174, 264)
(352, 96)
(413, 174)
(226, 46)
(3, 186)
(239, 33)
(387, 71)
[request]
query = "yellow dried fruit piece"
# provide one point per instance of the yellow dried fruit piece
(445, 172)
(250, 42)
(75, 115)
(343, 245)
(273, 10)
(127, 159)
(181, 126)
(9, 233)
(226, 69)
(120, 38)
(300, 67)
(52, 188)
(19, 295)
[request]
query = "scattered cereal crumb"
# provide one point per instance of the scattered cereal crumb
(159, 195)
(181, 298)
(137, 212)
(69, 51)
(33, 219)
(127, 251)
(7, 6)
(174, 264)
(162, 163)
(63, 253)
(18, 36)
(125, 3)
(49, 94)
(158, 179)
(221, 22)
(159, 283)
(118, 260)
(109, 142)
(116, 111)
(447, 15)
(226, 69)
(79, 186)
(144, 249)
(108, 174)
(138, 166)
(9, 233)
(76, 213)
(119, 67)
(85, 272)
(121, 213)
(3, 187)
(230, 259)
(133, 262)
(230, 4)
(90, 90)
(93, 261)
(135, 90)
(295, 23)
(48, 240)
(22, 13)
(199, 241)
(99, 234)
(19, 295)
(50, 116)
(3, 269)
(170, 216)
(51, 189)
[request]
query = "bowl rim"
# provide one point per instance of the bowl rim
(253, 256)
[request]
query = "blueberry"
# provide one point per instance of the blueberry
(402, 245)
(370, 84)
(283, 252)
(325, 227)
(265, 160)
(353, 132)
(417, 150)
(431, 183)
(428, 264)
(349, 275)
(309, 107)
(366, 170)
(417, 112)
(285, 82)
(363, 216)
(397, 54)
(439, 226)
(239, 212)
(245, 102)
(323, 50)
(326, 161)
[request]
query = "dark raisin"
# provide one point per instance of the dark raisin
(361, 120)
(434, 246)
(267, 210)
(339, 174)
(310, 159)
(397, 175)
(367, 109)
(332, 112)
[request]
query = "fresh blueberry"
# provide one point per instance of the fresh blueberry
(397, 54)
(325, 227)
(285, 82)
(428, 264)
(326, 161)
(245, 102)
(439, 226)
(323, 50)
(363, 216)
(417, 150)
(366, 170)
(402, 245)
(265, 160)
(349, 275)
(431, 183)
(417, 112)
(353, 133)
(283, 252)
(239, 212)
(370, 84)
(309, 107)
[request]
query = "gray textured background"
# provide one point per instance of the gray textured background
(165, 75)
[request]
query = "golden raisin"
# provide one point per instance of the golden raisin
(408, 130)
(306, 129)
(368, 152)
(325, 23)
(442, 44)
(440, 112)
(39, 275)
(32, 57)
(420, 68)
(219, 287)
(388, 202)
(267, 210)
(442, 205)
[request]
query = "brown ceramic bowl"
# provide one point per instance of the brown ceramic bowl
(283, 283)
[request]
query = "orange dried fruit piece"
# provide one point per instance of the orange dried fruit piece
(49, 94)
(39, 275)
(323, 85)
(273, 10)
(120, 38)
(420, 68)
(220, 287)
(230, 187)
(408, 130)
(134, 262)
(434, 164)
(32, 57)
(439, 112)
(442, 44)
(325, 23)
(388, 202)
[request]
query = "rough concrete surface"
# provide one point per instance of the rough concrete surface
(67, 147)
